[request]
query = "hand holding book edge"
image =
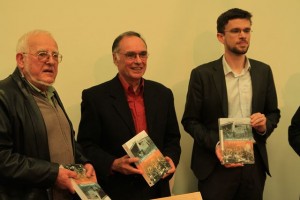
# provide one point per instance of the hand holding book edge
(63, 179)
(173, 168)
(259, 122)
(220, 157)
(123, 165)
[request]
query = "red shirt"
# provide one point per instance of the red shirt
(136, 104)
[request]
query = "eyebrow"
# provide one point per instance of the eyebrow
(43, 50)
(145, 51)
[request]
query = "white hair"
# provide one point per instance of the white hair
(23, 46)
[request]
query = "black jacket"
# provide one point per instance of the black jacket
(25, 168)
(207, 101)
(107, 123)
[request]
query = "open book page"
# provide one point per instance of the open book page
(151, 161)
(236, 140)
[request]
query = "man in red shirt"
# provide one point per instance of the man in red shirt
(114, 111)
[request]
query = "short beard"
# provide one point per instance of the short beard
(238, 52)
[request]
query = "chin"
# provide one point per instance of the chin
(46, 83)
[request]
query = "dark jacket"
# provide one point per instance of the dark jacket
(107, 123)
(25, 168)
(207, 101)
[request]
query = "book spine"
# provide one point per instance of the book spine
(221, 140)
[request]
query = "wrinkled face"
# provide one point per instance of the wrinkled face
(131, 58)
(39, 72)
(236, 36)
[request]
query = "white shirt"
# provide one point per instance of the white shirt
(239, 90)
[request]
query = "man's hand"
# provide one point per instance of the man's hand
(220, 157)
(123, 165)
(173, 168)
(258, 122)
(63, 179)
(90, 172)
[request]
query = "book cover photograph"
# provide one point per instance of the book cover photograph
(85, 187)
(151, 161)
(236, 140)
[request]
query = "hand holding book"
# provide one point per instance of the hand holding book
(86, 187)
(259, 122)
(124, 165)
(151, 162)
(172, 169)
(90, 172)
(62, 179)
(220, 157)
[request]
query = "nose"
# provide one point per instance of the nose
(51, 60)
(242, 34)
(137, 59)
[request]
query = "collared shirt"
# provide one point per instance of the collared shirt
(239, 90)
(49, 93)
(136, 104)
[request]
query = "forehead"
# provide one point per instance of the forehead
(238, 23)
(132, 43)
(42, 42)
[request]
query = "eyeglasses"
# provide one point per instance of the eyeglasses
(143, 55)
(44, 56)
(237, 31)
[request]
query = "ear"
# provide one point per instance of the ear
(115, 59)
(220, 37)
(20, 60)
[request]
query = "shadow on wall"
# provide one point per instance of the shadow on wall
(104, 69)
(185, 181)
(291, 97)
(284, 162)
(207, 48)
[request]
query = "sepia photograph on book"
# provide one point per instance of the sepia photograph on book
(151, 161)
(236, 140)
(86, 188)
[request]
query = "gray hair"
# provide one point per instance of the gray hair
(115, 46)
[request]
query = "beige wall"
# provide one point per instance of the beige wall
(181, 34)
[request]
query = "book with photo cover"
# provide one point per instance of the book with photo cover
(236, 140)
(151, 161)
(86, 188)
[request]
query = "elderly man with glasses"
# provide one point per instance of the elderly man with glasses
(36, 135)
